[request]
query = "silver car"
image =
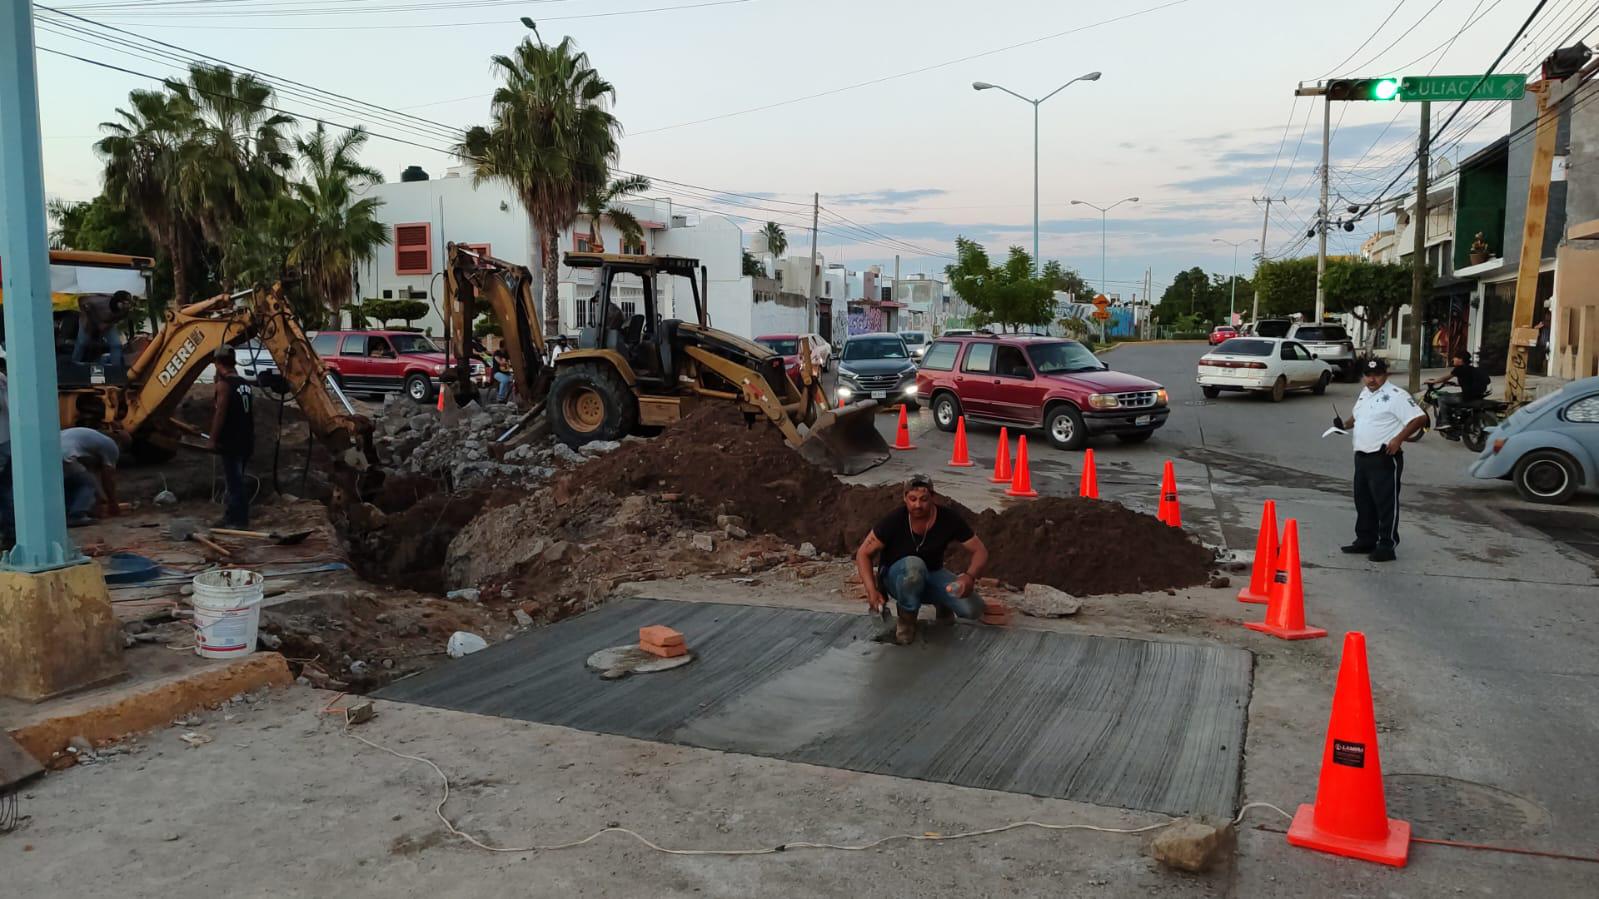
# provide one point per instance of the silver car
(1331, 344)
(1550, 447)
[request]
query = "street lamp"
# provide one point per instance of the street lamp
(529, 24)
(1104, 211)
(983, 86)
(1232, 303)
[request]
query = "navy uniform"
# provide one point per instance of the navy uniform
(1382, 414)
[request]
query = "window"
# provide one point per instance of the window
(979, 358)
(1585, 410)
(875, 348)
(782, 346)
(581, 244)
(354, 345)
(1320, 333)
(1009, 362)
(1272, 328)
(378, 348)
(325, 344)
(482, 249)
(413, 249)
(941, 356)
(629, 309)
(1287, 352)
(410, 344)
(1063, 358)
(634, 249)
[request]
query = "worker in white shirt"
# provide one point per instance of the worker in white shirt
(1384, 418)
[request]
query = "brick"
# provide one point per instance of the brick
(660, 635)
(665, 652)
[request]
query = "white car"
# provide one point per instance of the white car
(821, 351)
(1269, 365)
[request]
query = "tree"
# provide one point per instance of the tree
(1066, 280)
(335, 232)
(383, 311)
(776, 240)
(1005, 294)
(605, 202)
(552, 139)
(144, 152)
(753, 266)
(1370, 291)
(1287, 286)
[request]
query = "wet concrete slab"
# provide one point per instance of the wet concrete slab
(1140, 724)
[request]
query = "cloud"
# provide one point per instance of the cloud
(887, 197)
(1233, 176)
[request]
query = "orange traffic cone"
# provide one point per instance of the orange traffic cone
(960, 459)
(902, 438)
(1088, 487)
(1022, 481)
(1169, 511)
(1350, 815)
(441, 397)
(1285, 614)
(1259, 588)
(1002, 462)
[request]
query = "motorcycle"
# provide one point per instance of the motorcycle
(1467, 422)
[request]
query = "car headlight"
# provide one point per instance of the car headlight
(910, 389)
(1103, 400)
(440, 369)
(1160, 397)
(845, 393)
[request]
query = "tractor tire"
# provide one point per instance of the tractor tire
(589, 401)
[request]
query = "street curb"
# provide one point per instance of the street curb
(116, 713)
(1123, 343)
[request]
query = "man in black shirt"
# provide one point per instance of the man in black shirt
(232, 436)
(908, 549)
(1473, 384)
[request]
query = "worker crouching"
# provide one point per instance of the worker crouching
(903, 559)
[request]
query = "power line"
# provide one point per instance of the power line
(501, 23)
(1378, 30)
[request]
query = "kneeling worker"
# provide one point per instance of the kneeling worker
(908, 548)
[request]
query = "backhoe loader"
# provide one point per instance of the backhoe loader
(142, 408)
(634, 371)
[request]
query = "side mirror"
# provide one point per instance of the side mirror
(1314, 356)
(1103, 365)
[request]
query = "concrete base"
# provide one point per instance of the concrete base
(57, 632)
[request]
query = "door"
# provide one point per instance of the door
(1018, 392)
(1288, 361)
(975, 383)
(1308, 369)
(353, 364)
(388, 369)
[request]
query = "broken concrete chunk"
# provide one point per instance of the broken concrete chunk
(557, 551)
(464, 643)
(465, 594)
(1192, 844)
(807, 550)
(723, 521)
(564, 453)
(422, 422)
(735, 532)
(1044, 601)
(599, 447)
(704, 542)
(270, 641)
(523, 619)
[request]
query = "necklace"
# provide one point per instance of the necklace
(929, 530)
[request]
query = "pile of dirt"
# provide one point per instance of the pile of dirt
(403, 537)
(719, 465)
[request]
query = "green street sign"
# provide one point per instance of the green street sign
(1443, 88)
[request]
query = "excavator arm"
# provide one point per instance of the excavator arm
(471, 278)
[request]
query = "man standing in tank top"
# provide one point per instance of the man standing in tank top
(232, 436)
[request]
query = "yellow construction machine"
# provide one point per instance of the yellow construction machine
(634, 371)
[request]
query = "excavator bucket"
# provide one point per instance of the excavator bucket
(845, 441)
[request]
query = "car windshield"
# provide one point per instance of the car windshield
(782, 346)
(1322, 332)
(914, 338)
(1063, 358)
(875, 348)
(1272, 328)
(409, 344)
(1244, 346)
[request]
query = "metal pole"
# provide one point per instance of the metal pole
(1321, 218)
(810, 311)
(1036, 262)
(1418, 260)
(39, 500)
(1254, 313)
(1232, 304)
(1104, 287)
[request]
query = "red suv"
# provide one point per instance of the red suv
(1038, 382)
(385, 361)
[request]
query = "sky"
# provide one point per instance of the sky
(748, 107)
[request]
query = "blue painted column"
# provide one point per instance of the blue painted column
(41, 516)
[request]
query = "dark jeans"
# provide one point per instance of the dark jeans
(1377, 477)
(910, 585)
(236, 514)
(504, 380)
(113, 341)
(82, 490)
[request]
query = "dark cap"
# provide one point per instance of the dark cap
(223, 354)
(918, 480)
(1375, 366)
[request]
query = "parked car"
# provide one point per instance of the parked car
(1548, 448)
(916, 341)
(1272, 366)
(252, 359)
(1222, 332)
(1331, 344)
(386, 361)
(1037, 382)
(879, 367)
(822, 350)
(1270, 327)
(788, 346)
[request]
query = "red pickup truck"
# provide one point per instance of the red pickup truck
(385, 361)
(1038, 382)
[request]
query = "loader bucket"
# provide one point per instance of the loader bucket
(845, 441)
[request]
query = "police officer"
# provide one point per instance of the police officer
(1384, 417)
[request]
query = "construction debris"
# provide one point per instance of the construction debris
(463, 643)
(1192, 844)
(1044, 601)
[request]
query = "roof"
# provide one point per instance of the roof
(114, 260)
(672, 265)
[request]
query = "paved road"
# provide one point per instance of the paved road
(1480, 636)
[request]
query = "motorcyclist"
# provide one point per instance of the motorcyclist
(1473, 384)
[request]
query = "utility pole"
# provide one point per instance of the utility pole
(1254, 314)
(1418, 259)
(810, 310)
(1323, 215)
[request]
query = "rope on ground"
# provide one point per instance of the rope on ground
(444, 798)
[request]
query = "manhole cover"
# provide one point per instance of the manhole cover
(620, 661)
(1446, 808)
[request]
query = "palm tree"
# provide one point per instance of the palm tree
(776, 240)
(605, 202)
(552, 139)
(143, 152)
(335, 232)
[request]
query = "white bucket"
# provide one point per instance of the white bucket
(227, 611)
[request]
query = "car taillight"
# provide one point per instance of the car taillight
(1224, 363)
(1499, 445)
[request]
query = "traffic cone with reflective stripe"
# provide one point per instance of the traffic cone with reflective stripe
(902, 438)
(441, 397)
(1022, 481)
(1285, 611)
(1088, 487)
(1002, 461)
(1350, 815)
(960, 459)
(1258, 590)
(1169, 511)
